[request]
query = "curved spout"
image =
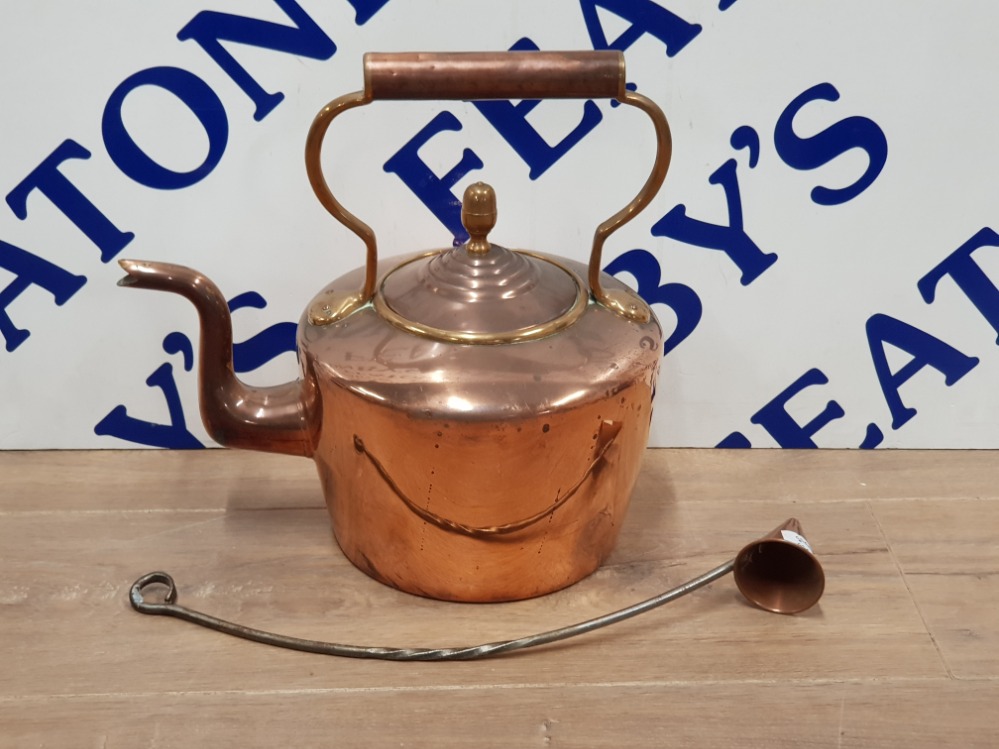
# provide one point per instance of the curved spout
(273, 419)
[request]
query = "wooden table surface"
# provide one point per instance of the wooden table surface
(903, 649)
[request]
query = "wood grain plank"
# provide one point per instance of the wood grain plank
(192, 479)
(67, 627)
(54, 481)
(247, 538)
(821, 475)
(949, 553)
(728, 716)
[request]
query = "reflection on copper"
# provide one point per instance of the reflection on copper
(608, 431)
(779, 572)
(279, 419)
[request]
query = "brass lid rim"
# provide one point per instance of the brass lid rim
(516, 335)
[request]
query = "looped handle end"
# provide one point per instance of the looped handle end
(140, 604)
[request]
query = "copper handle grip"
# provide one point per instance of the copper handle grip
(494, 75)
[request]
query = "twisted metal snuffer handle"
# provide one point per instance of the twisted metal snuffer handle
(777, 572)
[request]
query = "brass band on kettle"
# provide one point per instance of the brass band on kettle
(516, 335)
(489, 75)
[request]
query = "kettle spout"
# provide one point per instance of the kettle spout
(273, 419)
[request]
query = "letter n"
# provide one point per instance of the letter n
(210, 28)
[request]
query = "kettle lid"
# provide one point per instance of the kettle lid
(480, 292)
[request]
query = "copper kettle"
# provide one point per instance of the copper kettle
(477, 414)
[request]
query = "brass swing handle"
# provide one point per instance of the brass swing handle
(490, 75)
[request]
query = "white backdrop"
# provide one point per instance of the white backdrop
(824, 236)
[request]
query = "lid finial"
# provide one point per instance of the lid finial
(478, 215)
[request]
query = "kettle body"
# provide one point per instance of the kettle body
(474, 472)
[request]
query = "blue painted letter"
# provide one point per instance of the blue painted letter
(50, 182)
(926, 350)
(510, 120)
(433, 191)
(197, 96)
(968, 276)
(119, 424)
(835, 140)
(782, 427)
(684, 302)
(209, 28)
(31, 270)
(366, 9)
(646, 17)
(731, 239)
